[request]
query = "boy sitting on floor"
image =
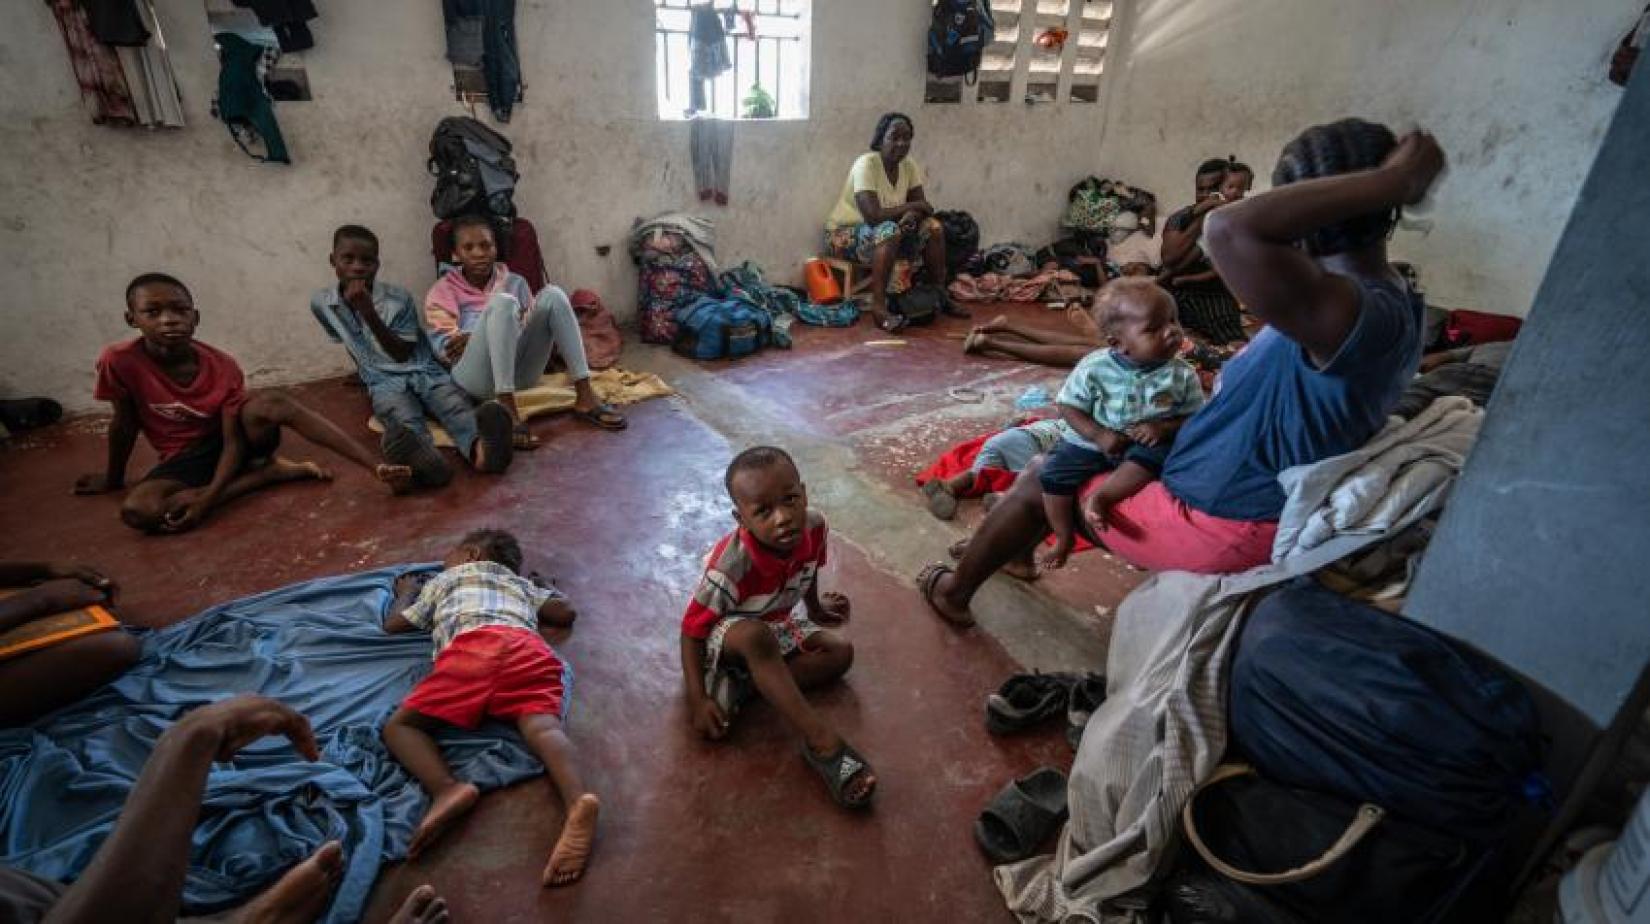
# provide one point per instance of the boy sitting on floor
(216, 442)
(1121, 407)
(378, 324)
(491, 661)
(740, 627)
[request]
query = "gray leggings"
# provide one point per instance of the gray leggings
(507, 353)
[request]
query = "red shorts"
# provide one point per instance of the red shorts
(496, 672)
(1157, 531)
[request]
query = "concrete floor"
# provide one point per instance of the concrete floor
(739, 830)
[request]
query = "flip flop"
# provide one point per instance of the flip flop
(1022, 816)
(602, 416)
(1025, 701)
(20, 414)
(522, 439)
(941, 502)
(838, 770)
(403, 445)
(495, 431)
(1086, 696)
(927, 580)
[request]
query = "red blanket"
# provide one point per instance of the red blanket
(960, 458)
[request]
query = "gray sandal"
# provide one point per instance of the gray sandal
(840, 769)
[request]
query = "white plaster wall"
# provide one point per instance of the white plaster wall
(84, 208)
(1514, 89)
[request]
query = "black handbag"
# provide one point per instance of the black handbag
(920, 304)
(1271, 854)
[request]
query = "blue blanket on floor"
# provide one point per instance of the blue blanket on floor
(319, 648)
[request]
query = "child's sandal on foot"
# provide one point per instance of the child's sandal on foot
(838, 771)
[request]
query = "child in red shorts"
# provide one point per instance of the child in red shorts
(491, 661)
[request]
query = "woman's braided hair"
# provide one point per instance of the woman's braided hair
(885, 123)
(1347, 146)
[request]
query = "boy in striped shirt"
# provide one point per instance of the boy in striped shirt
(741, 626)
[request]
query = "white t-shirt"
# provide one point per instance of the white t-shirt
(868, 175)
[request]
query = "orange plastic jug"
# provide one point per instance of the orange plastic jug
(823, 288)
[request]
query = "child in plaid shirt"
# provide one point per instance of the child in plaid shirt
(1120, 407)
(490, 662)
(741, 628)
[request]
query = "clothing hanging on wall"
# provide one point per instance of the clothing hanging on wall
(96, 67)
(500, 63)
(116, 22)
(242, 103)
(466, 21)
(289, 18)
(712, 141)
(707, 53)
(149, 76)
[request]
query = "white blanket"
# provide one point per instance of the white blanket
(1162, 728)
(1406, 465)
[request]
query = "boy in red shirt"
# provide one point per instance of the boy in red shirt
(216, 442)
(740, 627)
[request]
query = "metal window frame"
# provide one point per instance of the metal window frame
(778, 46)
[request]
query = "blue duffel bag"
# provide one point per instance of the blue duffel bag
(1334, 696)
(721, 328)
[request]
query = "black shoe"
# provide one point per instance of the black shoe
(1026, 700)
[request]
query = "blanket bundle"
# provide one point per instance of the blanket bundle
(319, 647)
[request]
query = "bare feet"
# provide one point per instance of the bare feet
(423, 906)
(996, 325)
(1055, 556)
(447, 807)
(572, 850)
(301, 895)
(399, 478)
(1022, 570)
(282, 469)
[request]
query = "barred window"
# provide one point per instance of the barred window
(767, 44)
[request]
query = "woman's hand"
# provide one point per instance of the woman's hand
(1414, 164)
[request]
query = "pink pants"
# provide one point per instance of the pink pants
(1156, 531)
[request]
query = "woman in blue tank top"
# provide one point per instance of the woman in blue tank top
(1343, 336)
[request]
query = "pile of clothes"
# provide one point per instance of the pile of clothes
(702, 311)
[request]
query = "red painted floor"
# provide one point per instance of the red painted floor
(739, 830)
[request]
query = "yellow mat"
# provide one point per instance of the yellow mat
(554, 393)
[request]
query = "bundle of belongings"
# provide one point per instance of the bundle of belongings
(704, 312)
(1241, 723)
(1102, 215)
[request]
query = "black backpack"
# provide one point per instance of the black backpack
(957, 37)
(962, 239)
(474, 172)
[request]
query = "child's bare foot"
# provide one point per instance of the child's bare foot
(572, 850)
(301, 895)
(1054, 558)
(281, 469)
(996, 325)
(399, 478)
(423, 906)
(447, 807)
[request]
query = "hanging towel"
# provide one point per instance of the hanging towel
(149, 76)
(465, 21)
(712, 141)
(500, 63)
(116, 22)
(243, 104)
(96, 68)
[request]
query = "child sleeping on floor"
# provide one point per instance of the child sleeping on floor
(490, 662)
(1121, 408)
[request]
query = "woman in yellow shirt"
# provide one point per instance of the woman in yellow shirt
(883, 215)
